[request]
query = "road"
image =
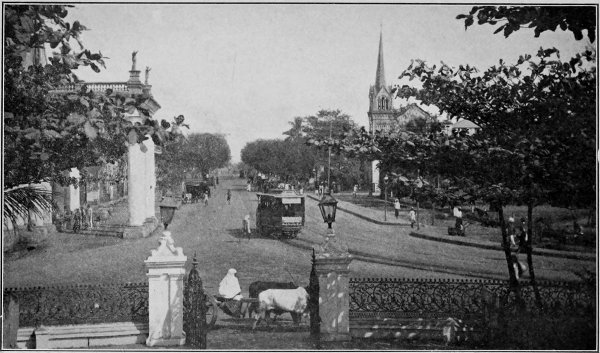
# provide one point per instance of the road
(214, 234)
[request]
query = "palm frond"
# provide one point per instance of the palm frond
(20, 202)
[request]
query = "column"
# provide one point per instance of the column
(375, 178)
(74, 192)
(166, 270)
(150, 179)
(136, 181)
(332, 265)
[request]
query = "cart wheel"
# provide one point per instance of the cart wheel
(212, 310)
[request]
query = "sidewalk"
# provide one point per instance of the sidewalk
(370, 214)
(439, 233)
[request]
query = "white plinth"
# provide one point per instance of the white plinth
(166, 270)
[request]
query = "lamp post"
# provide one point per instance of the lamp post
(385, 185)
(328, 206)
(167, 210)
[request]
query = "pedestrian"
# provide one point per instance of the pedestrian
(396, 207)
(249, 187)
(76, 221)
(205, 196)
(523, 236)
(246, 224)
(511, 231)
(355, 190)
(90, 216)
(229, 196)
(459, 223)
(413, 217)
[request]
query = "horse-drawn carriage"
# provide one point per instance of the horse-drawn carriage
(194, 190)
(280, 213)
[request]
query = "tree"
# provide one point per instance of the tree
(541, 18)
(198, 154)
(537, 118)
(47, 132)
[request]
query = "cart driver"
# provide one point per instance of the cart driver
(229, 288)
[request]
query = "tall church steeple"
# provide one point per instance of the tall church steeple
(380, 74)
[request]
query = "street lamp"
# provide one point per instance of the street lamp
(167, 209)
(385, 184)
(328, 206)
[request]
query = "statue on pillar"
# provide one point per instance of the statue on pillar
(147, 74)
(133, 60)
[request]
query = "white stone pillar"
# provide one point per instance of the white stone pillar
(375, 178)
(74, 192)
(150, 179)
(136, 180)
(332, 265)
(166, 270)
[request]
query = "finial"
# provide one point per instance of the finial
(194, 261)
(147, 74)
(133, 60)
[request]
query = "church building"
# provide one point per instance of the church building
(384, 117)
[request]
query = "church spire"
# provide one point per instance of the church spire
(380, 74)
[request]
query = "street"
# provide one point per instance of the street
(213, 233)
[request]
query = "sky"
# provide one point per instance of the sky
(246, 70)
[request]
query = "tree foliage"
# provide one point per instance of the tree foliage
(541, 18)
(198, 154)
(48, 130)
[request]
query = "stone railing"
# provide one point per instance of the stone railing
(95, 86)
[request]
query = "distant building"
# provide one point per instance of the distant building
(384, 117)
(466, 125)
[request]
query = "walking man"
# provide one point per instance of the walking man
(229, 196)
(413, 217)
(205, 199)
(355, 190)
(396, 207)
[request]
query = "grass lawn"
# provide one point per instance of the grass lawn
(557, 222)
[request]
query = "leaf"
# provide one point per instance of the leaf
(44, 156)
(90, 131)
(84, 102)
(52, 134)
(76, 118)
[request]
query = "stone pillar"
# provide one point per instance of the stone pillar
(332, 265)
(150, 178)
(74, 192)
(166, 270)
(375, 178)
(136, 180)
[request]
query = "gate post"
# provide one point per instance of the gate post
(332, 266)
(166, 269)
(194, 314)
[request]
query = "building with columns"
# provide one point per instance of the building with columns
(139, 163)
(383, 116)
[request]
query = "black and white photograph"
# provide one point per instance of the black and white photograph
(300, 176)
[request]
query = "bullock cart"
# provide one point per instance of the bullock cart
(232, 308)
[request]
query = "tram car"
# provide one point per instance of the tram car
(280, 213)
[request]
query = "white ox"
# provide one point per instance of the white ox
(294, 301)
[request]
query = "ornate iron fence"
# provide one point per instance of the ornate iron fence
(393, 297)
(81, 304)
